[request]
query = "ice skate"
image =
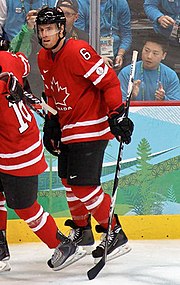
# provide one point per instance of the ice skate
(117, 244)
(82, 236)
(4, 266)
(66, 253)
(4, 253)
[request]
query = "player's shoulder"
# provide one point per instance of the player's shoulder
(5, 54)
(76, 45)
(42, 52)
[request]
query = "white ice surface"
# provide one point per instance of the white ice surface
(149, 262)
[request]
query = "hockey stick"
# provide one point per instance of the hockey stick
(34, 100)
(16, 89)
(94, 271)
(37, 111)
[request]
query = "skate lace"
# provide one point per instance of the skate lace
(74, 234)
(110, 239)
(56, 255)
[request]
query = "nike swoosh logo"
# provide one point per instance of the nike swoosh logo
(45, 71)
(72, 176)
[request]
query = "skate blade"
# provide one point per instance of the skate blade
(4, 266)
(88, 248)
(79, 253)
(119, 251)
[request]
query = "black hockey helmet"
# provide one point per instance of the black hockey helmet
(49, 15)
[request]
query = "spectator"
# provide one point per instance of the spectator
(115, 28)
(13, 14)
(165, 15)
(70, 9)
(26, 42)
(153, 79)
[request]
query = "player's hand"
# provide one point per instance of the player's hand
(121, 126)
(52, 135)
(14, 88)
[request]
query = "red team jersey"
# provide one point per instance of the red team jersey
(82, 88)
(21, 151)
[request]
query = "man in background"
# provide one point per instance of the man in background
(153, 80)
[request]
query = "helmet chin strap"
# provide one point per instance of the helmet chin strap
(57, 43)
(55, 46)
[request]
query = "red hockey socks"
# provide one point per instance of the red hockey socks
(41, 223)
(3, 212)
(96, 202)
(77, 209)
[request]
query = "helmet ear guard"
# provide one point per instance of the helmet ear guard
(49, 15)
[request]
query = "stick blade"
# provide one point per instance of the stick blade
(94, 271)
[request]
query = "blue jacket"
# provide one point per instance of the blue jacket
(157, 8)
(16, 14)
(121, 21)
(149, 84)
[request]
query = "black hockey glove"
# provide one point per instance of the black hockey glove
(14, 89)
(52, 135)
(120, 125)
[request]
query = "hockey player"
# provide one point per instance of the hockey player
(86, 94)
(21, 161)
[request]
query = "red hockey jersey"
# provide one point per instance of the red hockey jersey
(21, 151)
(82, 88)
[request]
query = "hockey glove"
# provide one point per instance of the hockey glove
(120, 125)
(14, 89)
(52, 135)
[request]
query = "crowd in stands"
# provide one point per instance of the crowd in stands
(118, 21)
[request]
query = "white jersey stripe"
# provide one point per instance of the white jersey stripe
(102, 75)
(23, 152)
(26, 65)
(86, 135)
(22, 165)
(85, 123)
(93, 68)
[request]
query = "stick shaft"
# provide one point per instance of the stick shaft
(94, 271)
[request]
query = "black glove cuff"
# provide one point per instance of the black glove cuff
(51, 122)
(119, 111)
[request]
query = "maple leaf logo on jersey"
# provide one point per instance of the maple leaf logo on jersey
(62, 93)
